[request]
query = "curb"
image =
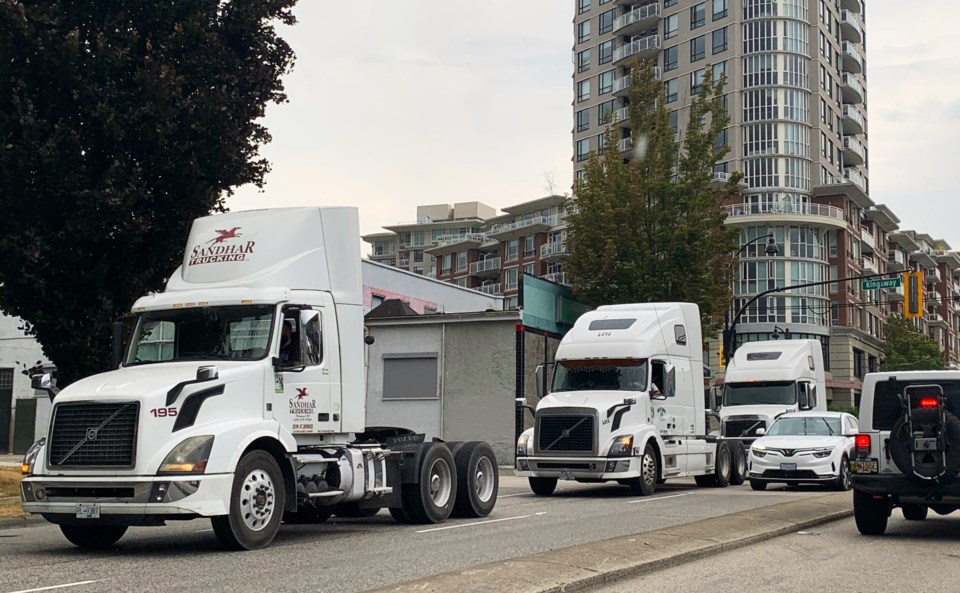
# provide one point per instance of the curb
(590, 565)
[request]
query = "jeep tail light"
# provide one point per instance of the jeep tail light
(929, 402)
(863, 445)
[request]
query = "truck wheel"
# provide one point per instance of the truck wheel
(646, 484)
(738, 474)
(543, 486)
(724, 465)
(431, 499)
(914, 512)
(308, 514)
(843, 480)
(758, 485)
(255, 504)
(870, 513)
(353, 510)
(93, 536)
(399, 515)
(478, 480)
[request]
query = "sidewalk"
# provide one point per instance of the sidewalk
(10, 460)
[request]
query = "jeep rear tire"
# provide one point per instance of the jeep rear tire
(870, 513)
(914, 512)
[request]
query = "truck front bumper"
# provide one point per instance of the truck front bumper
(129, 500)
(573, 468)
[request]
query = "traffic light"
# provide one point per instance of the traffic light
(912, 294)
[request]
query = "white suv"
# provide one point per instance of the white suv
(907, 453)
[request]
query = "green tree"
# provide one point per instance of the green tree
(120, 122)
(651, 228)
(906, 349)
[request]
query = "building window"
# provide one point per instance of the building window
(674, 120)
(447, 263)
(606, 52)
(760, 70)
(462, 282)
(606, 21)
(583, 60)
(583, 120)
(601, 141)
(583, 6)
(720, 40)
(720, 73)
(529, 269)
(698, 15)
(604, 111)
(529, 246)
(513, 248)
(721, 139)
(759, 36)
(583, 149)
(696, 79)
(671, 26)
(418, 255)
(583, 90)
(510, 279)
(719, 9)
(698, 48)
(669, 3)
(606, 82)
(410, 376)
(670, 57)
(583, 32)
(672, 90)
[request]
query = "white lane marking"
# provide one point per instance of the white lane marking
(56, 587)
(203, 530)
(477, 523)
(652, 498)
(521, 494)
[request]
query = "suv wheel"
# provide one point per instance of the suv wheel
(870, 513)
(914, 512)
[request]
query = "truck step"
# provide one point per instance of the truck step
(327, 494)
(381, 490)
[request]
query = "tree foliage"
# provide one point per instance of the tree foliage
(651, 228)
(906, 349)
(120, 122)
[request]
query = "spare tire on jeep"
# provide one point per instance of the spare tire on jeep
(926, 464)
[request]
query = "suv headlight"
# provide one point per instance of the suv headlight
(759, 450)
(622, 446)
(822, 452)
(26, 466)
(189, 457)
(522, 445)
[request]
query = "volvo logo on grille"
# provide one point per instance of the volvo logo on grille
(91, 434)
(565, 432)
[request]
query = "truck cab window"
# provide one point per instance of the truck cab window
(301, 342)
(600, 375)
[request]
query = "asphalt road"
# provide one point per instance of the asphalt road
(349, 555)
(922, 556)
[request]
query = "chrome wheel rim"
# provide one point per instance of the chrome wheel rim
(723, 468)
(485, 480)
(742, 464)
(649, 469)
(441, 482)
(258, 500)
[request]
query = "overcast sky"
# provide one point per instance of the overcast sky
(395, 104)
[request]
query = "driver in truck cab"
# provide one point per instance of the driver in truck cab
(288, 346)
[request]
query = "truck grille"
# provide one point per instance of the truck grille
(94, 435)
(565, 433)
(742, 427)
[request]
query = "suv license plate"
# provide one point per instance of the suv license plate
(864, 466)
(788, 467)
(88, 511)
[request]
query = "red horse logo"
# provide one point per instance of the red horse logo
(302, 392)
(223, 235)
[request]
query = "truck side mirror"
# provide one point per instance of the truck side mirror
(540, 381)
(670, 388)
(803, 397)
(207, 373)
(714, 401)
(44, 382)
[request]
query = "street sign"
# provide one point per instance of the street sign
(880, 283)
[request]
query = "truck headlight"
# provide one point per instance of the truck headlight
(522, 445)
(822, 452)
(622, 446)
(26, 466)
(189, 457)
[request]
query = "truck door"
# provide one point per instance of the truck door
(304, 375)
(669, 414)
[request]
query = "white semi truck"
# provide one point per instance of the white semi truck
(767, 378)
(627, 404)
(242, 399)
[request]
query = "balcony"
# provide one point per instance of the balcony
(896, 261)
(621, 86)
(923, 258)
(554, 251)
(853, 152)
(637, 20)
(852, 121)
(778, 214)
(851, 5)
(485, 267)
(850, 28)
(868, 244)
(895, 294)
(451, 243)
(557, 277)
(851, 90)
(492, 289)
(851, 60)
(381, 255)
(869, 266)
(626, 145)
(931, 276)
(521, 228)
(639, 49)
(934, 318)
(852, 185)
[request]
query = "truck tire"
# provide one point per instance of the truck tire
(93, 536)
(646, 483)
(914, 512)
(399, 515)
(431, 499)
(842, 482)
(724, 466)
(543, 486)
(478, 480)
(870, 514)
(307, 514)
(738, 473)
(758, 485)
(352, 510)
(256, 504)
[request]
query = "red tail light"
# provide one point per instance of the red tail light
(929, 402)
(862, 442)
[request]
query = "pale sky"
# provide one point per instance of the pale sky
(395, 104)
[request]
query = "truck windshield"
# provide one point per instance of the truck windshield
(202, 333)
(780, 393)
(600, 375)
(808, 425)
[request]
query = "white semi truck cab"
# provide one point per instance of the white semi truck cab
(766, 379)
(242, 398)
(627, 405)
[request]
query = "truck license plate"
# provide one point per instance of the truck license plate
(566, 474)
(864, 466)
(88, 511)
(788, 467)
